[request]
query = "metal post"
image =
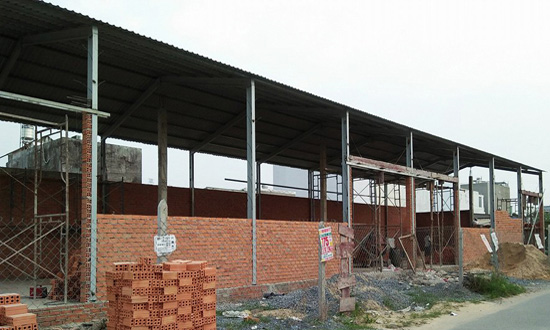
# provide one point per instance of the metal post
(346, 207)
(93, 84)
(310, 195)
(431, 186)
(541, 209)
(412, 207)
(192, 181)
(162, 131)
(456, 195)
(323, 179)
(520, 204)
(460, 256)
(471, 198)
(322, 281)
(66, 170)
(251, 167)
(494, 256)
(259, 190)
(103, 158)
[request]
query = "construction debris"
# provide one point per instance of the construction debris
(14, 315)
(517, 260)
(174, 295)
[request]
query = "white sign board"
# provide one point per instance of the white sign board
(165, 244)
(486, 242)
(495, 240)
(539, 241)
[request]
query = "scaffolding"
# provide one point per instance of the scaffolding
(36, 233)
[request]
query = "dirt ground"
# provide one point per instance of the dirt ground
(516, 260)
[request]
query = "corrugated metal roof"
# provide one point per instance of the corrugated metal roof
(130, 63)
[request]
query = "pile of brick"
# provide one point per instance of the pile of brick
(14, 315)
(73, 283)
(180, 294)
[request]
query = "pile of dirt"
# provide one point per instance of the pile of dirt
(517, 260)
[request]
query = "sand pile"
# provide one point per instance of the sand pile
(517, 260)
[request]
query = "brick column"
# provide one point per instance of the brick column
(86, 207)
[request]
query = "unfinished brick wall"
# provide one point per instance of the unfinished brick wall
(286, 251)
(507, 229)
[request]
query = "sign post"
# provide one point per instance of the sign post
(326, 252)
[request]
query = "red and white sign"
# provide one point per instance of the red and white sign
(327, 246)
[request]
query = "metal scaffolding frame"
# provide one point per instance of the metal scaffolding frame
(43, 225)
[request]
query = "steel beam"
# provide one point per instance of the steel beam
(377, 165)
(176, 80)
(30, 120)
(132, 108)
(220, 131)
(290, 143)
(52, 104)
(10, 63)
(58, 36)
(93, 84)
(251, 167)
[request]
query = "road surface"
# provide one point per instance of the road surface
(526, 312)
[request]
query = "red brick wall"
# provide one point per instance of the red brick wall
(507, 229)
(77, 313)
(286, 251)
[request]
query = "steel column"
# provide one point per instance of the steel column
(491, 201)
(103, 158)
(520, 204)
(93, 84)
(251, 167)
(162, 148)
(541, 210)
(409, 150)
(346, 207)
(192, 181)
(457, 224)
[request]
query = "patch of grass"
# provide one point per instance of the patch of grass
(495, 286)
(389, 303)
(421, 298)
(357, 319)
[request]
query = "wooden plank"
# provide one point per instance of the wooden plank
(347, 304)
(345, 249)
(345, 231)
(346, 282)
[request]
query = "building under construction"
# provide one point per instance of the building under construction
(60, 231)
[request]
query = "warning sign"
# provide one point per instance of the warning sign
(165, 244)
(327, 246)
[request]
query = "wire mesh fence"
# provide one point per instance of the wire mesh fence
(39, 259)
(370, 252)
(438, 245)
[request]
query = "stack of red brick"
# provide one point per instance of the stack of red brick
(14, 315)
(175, 295)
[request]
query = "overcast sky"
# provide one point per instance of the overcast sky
(476, 72)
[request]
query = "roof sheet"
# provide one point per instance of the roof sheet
(200, 95)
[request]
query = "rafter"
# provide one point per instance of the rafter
(131, 109)
(291, 143)
(219, 132)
